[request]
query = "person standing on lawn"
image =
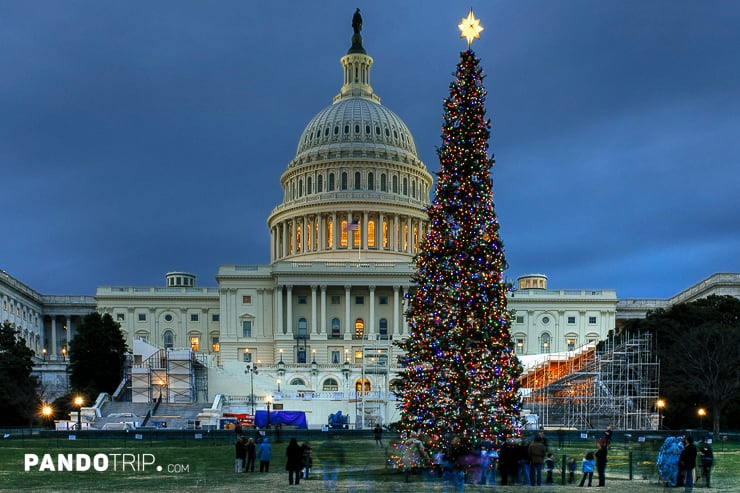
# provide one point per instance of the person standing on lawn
(294, 462)
(601, 461)
(264, 453)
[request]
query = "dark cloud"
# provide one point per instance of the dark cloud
(140, 137)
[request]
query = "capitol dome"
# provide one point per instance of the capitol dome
(356, 182)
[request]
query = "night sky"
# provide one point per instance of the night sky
(141, 137)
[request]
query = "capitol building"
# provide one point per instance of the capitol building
(314, 330)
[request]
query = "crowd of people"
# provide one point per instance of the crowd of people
(515, 461)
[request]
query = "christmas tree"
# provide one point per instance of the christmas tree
(460, 374)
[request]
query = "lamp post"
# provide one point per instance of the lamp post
(64, 353)
(267, 399)
(278, 382)
(47, 412)
(79, 401)
(701, 412)
(660, 405)
(43, 351)
(252, 371)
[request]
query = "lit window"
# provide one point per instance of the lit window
(571, 342)
(371, 234)
(246, 300)
(195, 343)
(359, 328)
(215, 345)
(120, 317)
(358, 357)
(545, 343)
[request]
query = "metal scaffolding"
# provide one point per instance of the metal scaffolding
(614, 383)
(178, 376)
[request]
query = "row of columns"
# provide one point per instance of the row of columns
(318, 315)
(403, 233)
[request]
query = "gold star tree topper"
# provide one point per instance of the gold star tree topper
(470, 28)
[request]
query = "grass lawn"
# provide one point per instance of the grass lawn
(208, 465)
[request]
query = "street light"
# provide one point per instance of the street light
(252, 371)
(79, 401)
(701, 412)
(267, 399)
(47, 412)
(43, 351)
(314, 365)
(660, 405)
(278, 382)
(281, 366)
(64, 353)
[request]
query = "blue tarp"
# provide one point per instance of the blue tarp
(287, 418)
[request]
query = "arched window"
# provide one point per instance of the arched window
(335, 329)
(545, 343)
(570, 341)
(359, 385)
(320, 184)
(331, 182)
(344, 180)
(520, 343)
(395, 184)
(309, 186)
(329, 233)
(308, 237)
(302, 328)
(371, 234)
(383, 328)
(358, 180)
(298, 382)
(359, 328)
(385, 234)
(300, 188)
(383, 183)
(168, 339)
(298, 239)
(371, 181)
(330, 385)
(415, 243)
(405, 186)
(413, 188)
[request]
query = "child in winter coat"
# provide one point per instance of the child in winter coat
(587, 467)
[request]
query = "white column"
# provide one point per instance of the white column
(284, 253)
(371, 322)
(323, 309)
(289, 301)
(379, 232)
(293, 225)
(363, 239)
(347, 323)
(314, 324)
(404, 325)
(53, 348)
(304, 236)
(279, 308)
(396, 330)
(408, 234)
(334, 228)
